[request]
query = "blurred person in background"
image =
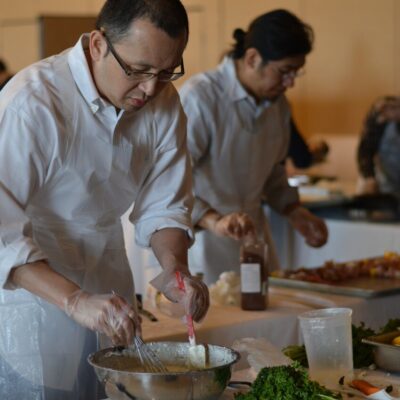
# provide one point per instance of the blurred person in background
(238, 137)
(379, 148)
(305, 154)
(5, 74)
(83, 135)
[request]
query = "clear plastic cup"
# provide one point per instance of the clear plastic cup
(328, 341)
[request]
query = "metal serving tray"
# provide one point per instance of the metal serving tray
(359, 287)
(386, 355)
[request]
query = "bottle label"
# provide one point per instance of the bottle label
(250, 281)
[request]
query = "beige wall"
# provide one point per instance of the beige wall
(356, 56)
(355, 59)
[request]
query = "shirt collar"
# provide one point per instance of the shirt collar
(82, 76)
(236, 91)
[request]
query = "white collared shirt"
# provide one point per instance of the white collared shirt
(70, 164)
(238, 150)
(237, 147)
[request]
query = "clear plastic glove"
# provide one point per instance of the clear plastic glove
(261, 353)
(109, 314)
(311, 227)
(367, 185)
(235, 225)
(194, 301)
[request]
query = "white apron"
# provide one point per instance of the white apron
(42, 351)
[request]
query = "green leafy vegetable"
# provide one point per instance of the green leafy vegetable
(286, 383)
(391, 326)
(362, 353)
(297, 353)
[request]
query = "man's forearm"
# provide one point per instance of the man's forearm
(41, 280)
(170, 246)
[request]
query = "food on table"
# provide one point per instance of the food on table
(332, 272)
(396, 341)
(392, 325)
(364, 386)
(286, 383)
(226, 290)
(362, 353)
(127, 360)
(296, 353)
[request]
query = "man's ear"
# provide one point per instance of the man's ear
(97, 45)
(252, 58)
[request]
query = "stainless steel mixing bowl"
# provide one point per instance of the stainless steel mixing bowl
(122, 380)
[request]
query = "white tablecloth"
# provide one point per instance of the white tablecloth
(223, 325)
(278, 324)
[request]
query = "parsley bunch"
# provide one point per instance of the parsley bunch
(286, 382)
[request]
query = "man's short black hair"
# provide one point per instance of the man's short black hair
(116, 16)
(3, 66)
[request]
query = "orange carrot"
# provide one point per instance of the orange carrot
(364, 386)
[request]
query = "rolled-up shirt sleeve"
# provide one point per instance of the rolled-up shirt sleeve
(165, 198)
(22, 169)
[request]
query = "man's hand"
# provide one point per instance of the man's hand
(106, 313)
(388, 109)
(194, 300)
(319, 150)
(235, 225)
(170, 246)
(312, 228)
(367, 185)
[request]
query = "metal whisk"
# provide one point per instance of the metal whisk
(148, 358)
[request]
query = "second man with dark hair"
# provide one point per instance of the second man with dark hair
(238, 136)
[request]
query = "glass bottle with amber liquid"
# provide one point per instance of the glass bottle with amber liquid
(253, 275)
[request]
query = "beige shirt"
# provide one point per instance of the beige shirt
(238, 150)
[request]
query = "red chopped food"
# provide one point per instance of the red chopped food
(386, 267)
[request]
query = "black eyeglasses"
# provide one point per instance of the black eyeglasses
(141, 76)
(291, 74)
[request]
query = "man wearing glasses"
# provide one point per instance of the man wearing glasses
(238, 136)
(83, 135)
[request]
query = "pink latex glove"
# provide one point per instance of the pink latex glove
(311, 227)
(106, 313)
(194, 301)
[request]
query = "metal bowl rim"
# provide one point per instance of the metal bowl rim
(374, 340)
(194, 372)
